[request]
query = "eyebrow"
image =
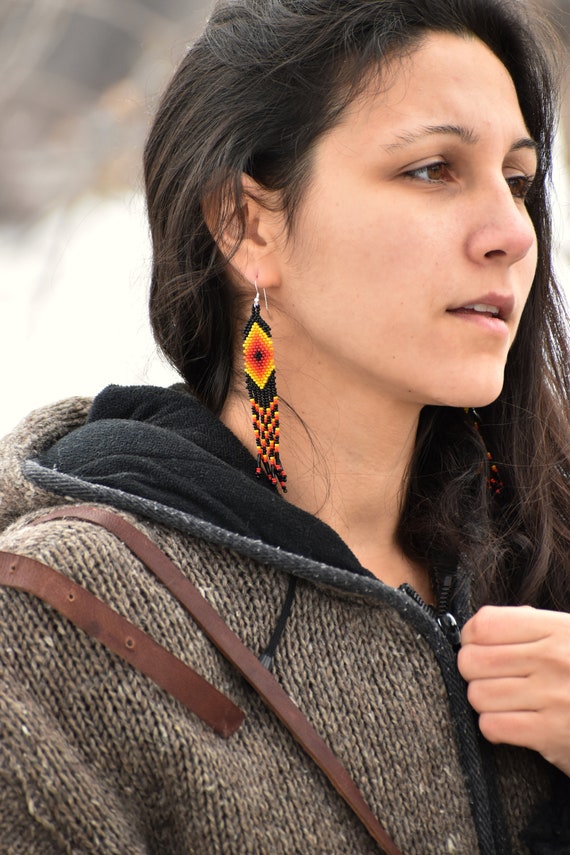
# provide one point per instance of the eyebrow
(464, 134)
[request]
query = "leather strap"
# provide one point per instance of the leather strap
(122, 637)
(232, 648)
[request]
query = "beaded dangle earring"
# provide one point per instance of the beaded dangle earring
(259, 367)
(494, 480)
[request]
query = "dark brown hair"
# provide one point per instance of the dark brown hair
(255, 92)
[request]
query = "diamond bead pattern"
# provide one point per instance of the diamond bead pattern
(258, 355)
(259, 366)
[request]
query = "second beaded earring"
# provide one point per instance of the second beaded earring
(259, 365)
(493, 479)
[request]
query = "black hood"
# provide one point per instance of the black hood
(164, 446)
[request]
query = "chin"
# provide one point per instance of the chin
(485, 396)
(472, 394)
(482, 401)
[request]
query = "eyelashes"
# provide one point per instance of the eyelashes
(521, 186)
(438, 172)
(431, 173)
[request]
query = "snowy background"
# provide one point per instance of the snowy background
(79, 80)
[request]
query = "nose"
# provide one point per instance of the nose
(501, 228)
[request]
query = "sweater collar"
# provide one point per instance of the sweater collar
(164, 446)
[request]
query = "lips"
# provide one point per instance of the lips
(489, 305)
(482, 309)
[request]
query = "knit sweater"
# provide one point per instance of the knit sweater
(96, 758)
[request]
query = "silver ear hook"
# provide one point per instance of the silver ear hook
(256, 300)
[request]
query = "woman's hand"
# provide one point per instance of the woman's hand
(517, 663)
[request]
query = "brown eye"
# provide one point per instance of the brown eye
(436, 172)
(432, 172)
(520, 186)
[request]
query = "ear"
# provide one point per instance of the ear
(257, 255)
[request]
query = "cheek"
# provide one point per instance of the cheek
(531, 269)
(527, 275)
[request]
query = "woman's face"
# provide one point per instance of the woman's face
(413, 253)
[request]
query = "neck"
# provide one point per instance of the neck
(346, 458)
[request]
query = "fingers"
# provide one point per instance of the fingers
(516, 662)
(503, 642)
(513, 728)
(503, 695)
(500, 642)
(505, 625)
(541, 731)
(507, 660)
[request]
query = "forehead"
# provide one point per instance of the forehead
(446, 78)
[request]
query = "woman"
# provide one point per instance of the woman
(377, 172)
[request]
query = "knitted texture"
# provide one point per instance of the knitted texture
(38, 431)
(95, 758)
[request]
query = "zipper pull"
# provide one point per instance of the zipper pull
(450, 629)
(443, 616)
(444, 620)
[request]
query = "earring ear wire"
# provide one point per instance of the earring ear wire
(259, 366)
(257, 295)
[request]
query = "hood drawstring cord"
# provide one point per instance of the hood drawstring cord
(266, 657)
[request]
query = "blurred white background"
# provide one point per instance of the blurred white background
(78, 82)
